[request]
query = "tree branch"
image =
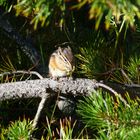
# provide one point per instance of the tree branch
(37, 88)
(38, 113)
(43, 88)
(48, 86)
(23, 72)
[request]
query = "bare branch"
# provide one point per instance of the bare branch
(122, 71)
(40, 107)
(23, 72)
(37, 88)
(114, 92)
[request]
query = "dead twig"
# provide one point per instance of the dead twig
(122, 71)
(23, 72)
(39, 110)
(114, 92)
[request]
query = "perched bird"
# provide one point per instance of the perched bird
(61, 63)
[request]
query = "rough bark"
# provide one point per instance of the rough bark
(37, 88)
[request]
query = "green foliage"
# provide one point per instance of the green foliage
(8, 72)
(92, 55)
(5, 4)
(97, 54)
(133, 69)
(110, 116)
(18, 130)
(120, 10)
(2, 2)
(42, 11)
(66, 129)
(7, 65)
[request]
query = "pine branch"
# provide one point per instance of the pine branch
(109, 116)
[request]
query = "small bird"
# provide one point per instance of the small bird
(61, 63)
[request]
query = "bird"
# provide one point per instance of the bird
(61, 63)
